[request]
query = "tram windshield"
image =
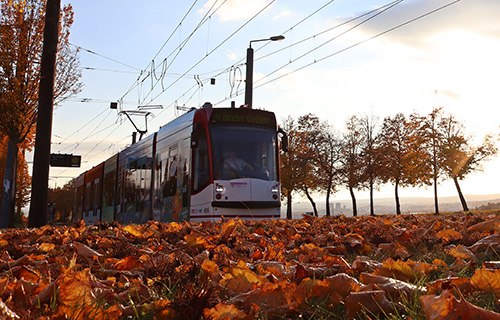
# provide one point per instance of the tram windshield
(244, 152)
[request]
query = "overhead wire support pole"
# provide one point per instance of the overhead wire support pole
(40, 181)
(249, 70)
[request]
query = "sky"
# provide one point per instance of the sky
(338, 59)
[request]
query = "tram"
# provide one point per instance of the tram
(207, 164)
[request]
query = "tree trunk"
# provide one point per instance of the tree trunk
(39, 190)
(313, 204)
(436, 202)
(328, 191)
(9, 186)
(460, 195)
(354, 206)
(396, 192)
(289, 205)
(372, 206)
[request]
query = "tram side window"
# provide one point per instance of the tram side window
(201, 167)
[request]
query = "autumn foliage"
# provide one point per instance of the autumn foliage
(419, 266)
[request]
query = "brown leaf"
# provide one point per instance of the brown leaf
(447, 307)
(490, 225)
(128, 263)
(272, 298)
(370, 303)
(462, 284)
(334, 288)
(394, 288)
(85, 251)
(461, 252)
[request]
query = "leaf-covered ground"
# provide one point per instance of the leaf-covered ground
(397, 267)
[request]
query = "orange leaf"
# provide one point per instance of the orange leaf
(128, 263)
(271, 297)
(461, 252)
(226, 230)
(227, 312)
(240, 278)
(447, 307)
(490, 225)
(76, 289)
(487, 280)
(47, 247)
(448, 235)
(335, 288)
(162, 310)
(195, 241)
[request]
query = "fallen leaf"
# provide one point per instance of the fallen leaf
(85, 251)
(396, 289)
(226, 312)
(369, 303)
(490, 225)
(448, 235)
(447, 307)
(487, 280)
(461, 252)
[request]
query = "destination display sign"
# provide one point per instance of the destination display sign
(243, 116)
(65, 160)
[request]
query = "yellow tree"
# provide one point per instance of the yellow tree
(21, 40)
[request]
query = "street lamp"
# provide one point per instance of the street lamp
(249, 74)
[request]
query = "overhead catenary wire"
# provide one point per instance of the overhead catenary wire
(330, 55)
(105, 57)
(176, 51)
(215, 49)
(347, 48)
(363, 41)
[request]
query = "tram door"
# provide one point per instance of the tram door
(167, 204)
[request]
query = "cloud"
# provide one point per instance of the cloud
(234, 10)
(479, 16)
(283, 14)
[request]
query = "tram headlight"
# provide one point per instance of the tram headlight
(275, 190)
(219, 189)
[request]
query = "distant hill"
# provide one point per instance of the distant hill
(387, 205)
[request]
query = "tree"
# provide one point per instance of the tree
(21, 39)
(459, 156)
(290, 165)
(370, 156)
(23, 180)
(322, 153)
(403, 160)
(351, 169)
(429, 133)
